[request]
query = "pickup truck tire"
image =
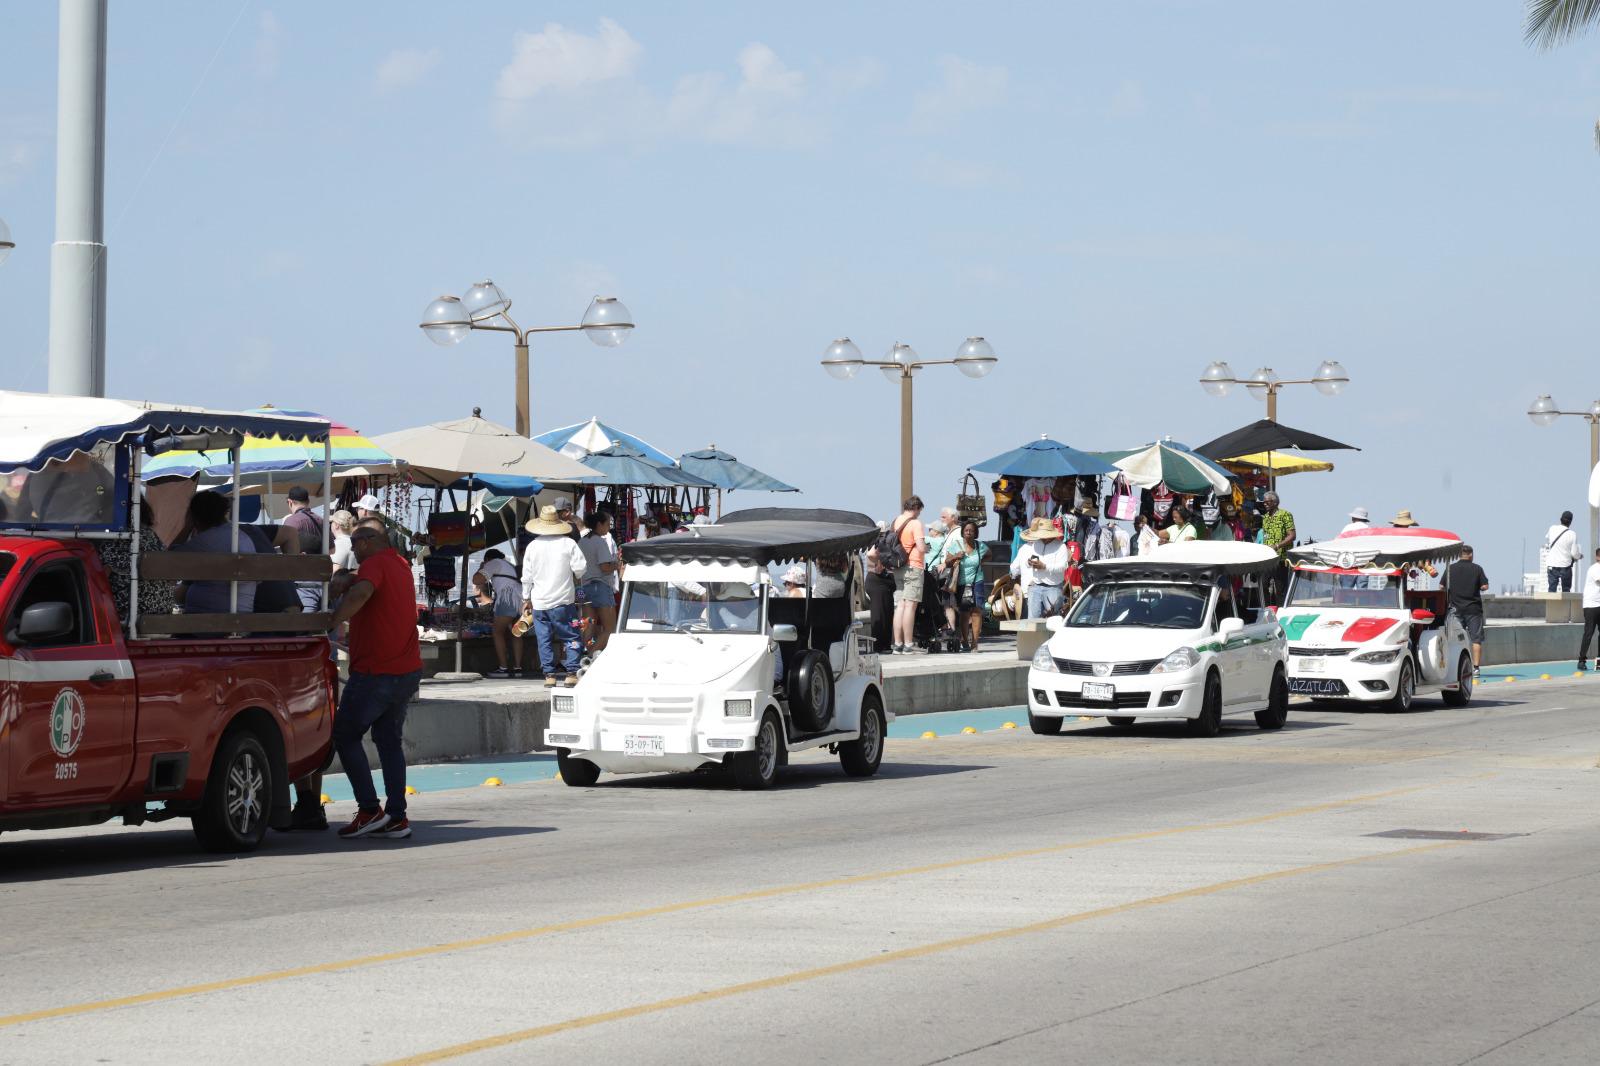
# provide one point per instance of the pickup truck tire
(1277, 709)
(757, 770)
(1463, 691)
(1209, 724)
(861, 757)
(238, 798)
(1049, 726)
(578, 773)
(811, 691)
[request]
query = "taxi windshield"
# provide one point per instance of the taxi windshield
(1143, 605)
(1319, 588)
(691, 607)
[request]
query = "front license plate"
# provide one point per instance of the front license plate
(636, 745)
(1094, 691)
(1311, 666)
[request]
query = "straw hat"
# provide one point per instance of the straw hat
(1403, 520)
(547, 522)
(1042, 529)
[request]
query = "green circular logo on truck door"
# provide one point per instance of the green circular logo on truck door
(67, 719)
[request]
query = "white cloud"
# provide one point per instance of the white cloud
(264, 56)
(854, 76)
(1127, 101)
(964, 87)
(16, 160)
(760, 109)
(960, 173)
(403, 67)
(558, 59)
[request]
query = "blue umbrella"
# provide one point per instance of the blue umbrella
(623, 465)
(587, 438)
(1044, 458)
(726, 472)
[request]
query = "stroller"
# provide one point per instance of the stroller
(932, 630)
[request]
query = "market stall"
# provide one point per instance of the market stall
(728, 474)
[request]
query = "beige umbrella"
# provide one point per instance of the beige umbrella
(445, 452)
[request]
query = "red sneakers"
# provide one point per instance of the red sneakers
(366, 822)
(396, 829)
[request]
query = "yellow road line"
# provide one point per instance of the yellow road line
(854, 965)
(515, 935)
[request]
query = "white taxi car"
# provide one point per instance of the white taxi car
(1162, 635)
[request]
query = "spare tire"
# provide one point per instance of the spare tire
(811, 691)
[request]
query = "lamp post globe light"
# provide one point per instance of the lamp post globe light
(449, 319)
(842, 360)
(1218, 379)
(1544, 411)
(6, 243)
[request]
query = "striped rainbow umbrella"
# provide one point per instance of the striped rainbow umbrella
(274, 455)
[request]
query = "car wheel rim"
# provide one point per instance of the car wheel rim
(819, 692)
(1464, 677)
(767, 750)
(245, 784)
(1407, 686)
(871, 736)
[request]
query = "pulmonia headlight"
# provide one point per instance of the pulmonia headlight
(1384, 655)
(563, 704)
(737, 708)
(1179, 661)
(1043, 660)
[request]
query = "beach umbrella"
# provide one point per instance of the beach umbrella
(622, 464)
(1171, 462)
(1276, 464)
(586, 438)
(1044, 458)
(274, 456)
(726, 472)
(1268, 436)
(442, 453)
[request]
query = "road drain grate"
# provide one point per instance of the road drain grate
(1443, 834)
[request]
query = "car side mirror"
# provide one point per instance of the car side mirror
(1054, 623)
(1229, 626)
(1422, 617)
(784, 633)
(44, 622)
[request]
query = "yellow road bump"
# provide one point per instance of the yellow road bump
(1544, 677)
(1580, 673)
(1009, 725)
(969, 729)
(930, 735)
(326, 799)
(1509, 680)
(411, 790)
(493, 782)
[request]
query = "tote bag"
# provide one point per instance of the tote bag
(1122, 503)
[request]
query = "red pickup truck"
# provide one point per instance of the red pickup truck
(95, 725)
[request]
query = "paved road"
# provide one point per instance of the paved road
(1104, 897)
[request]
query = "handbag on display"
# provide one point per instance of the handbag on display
(1163, 499)
(1210, 510)
(1122, 504)
(970, 505)
(1003, 490)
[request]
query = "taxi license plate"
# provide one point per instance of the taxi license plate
(637, 745)
(1312, 666)
(1095, 691)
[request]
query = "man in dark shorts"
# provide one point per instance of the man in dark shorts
(1466, 583)
(385, 670)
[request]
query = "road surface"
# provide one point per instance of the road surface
(1105, 896)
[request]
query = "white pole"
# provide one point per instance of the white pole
(78, 256)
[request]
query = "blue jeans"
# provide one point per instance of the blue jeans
(376, 702)
(552, 626)
(1043, 600)
(1559, 577)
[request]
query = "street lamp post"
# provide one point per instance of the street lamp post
(842, 360)
(1218, 380)
(1544, 411)
(6, 243)
(449, 319)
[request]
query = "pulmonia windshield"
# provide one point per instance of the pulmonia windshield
(691, 607)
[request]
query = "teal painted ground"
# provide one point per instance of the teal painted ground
(518, 769)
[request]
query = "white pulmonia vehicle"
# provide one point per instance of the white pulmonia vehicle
(1366, 619)
(711, 665)
(1163, 635)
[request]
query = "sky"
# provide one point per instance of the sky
(1113, 194)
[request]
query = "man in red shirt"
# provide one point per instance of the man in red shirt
(385, 669)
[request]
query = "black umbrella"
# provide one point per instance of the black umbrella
(1267, 436)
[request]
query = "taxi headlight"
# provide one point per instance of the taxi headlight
(737, 708)
(1043, 660)
(1385, 655)
(564, 704)
(1179, 661)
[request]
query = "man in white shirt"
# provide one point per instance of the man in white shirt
(552, 568)
(1561, 554)
(1359, 519)
(1041, 568)
(1591, 610)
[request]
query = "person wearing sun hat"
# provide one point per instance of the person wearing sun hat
(1403, 520)
(1041, 567)
(1423, 576)
(1359, 519)
(553, 566)
(794, 582)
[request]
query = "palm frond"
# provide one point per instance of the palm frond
(1553, 22)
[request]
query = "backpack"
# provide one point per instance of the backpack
(891, 553)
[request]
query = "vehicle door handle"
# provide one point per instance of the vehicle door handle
(102, 677)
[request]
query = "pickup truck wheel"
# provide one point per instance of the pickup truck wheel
(1044, 726)
(578, 773)
(756, 770)
(860, 758)
(1463, 692)
(1209, 724)
(1405, 688)
(1277, 710)
(238, 797)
